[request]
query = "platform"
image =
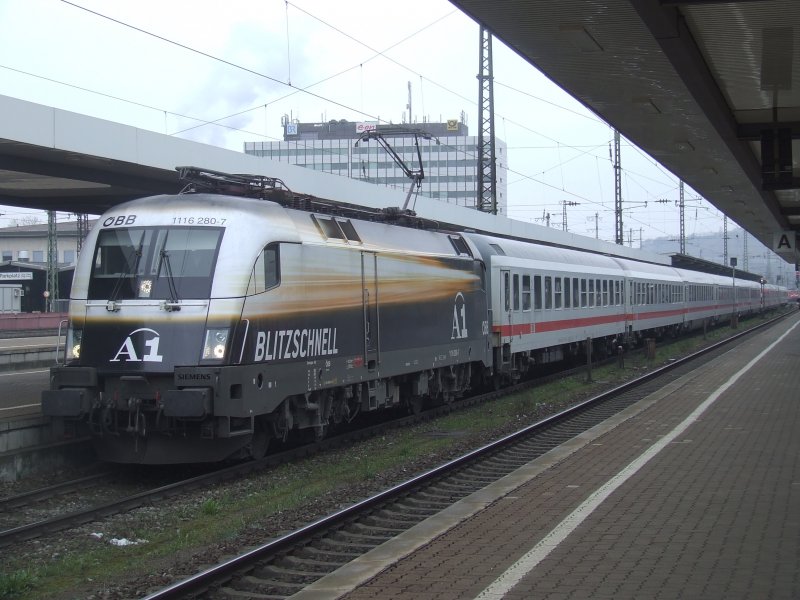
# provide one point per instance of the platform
(694, 492)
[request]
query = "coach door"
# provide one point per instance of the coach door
(369, 294)
(505, 277)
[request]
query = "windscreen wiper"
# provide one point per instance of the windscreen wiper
(174, 300)
(137, 252)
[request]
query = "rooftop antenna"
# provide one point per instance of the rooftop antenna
(408, 106)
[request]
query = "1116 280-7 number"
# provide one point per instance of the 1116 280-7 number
(198, 221)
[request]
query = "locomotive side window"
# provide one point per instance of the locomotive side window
(266, 272)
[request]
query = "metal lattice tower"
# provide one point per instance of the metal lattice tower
(487, 170)
(617, 192)
(564, 205)
(683, 223)
(52, 261)
(725, 240)
(83, 230)
(746, 266)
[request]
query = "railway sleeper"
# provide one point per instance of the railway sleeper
(313, 553)
(251, 583)
(357, 538)
(335, 545)
(371, 530)
(274, 572)
(307, 565)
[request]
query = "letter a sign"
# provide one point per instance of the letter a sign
(784, 243)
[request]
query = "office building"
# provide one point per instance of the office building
(448, 152)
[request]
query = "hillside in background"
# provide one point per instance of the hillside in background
(760, 260)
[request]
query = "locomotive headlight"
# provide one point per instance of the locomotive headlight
(74, 338)
(215, 344)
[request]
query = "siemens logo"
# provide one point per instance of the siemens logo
(193, 376)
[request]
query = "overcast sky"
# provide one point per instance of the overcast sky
(174, 66)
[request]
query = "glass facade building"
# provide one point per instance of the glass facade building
(449, 156)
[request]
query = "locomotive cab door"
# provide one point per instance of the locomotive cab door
(369, 298)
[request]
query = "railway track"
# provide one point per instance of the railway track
(284, 566)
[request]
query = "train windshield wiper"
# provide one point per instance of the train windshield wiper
(173, 291)
(125, 273)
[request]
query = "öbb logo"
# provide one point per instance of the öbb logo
(127, 352)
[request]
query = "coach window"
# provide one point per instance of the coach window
(516, 291)
(591, 292)
(526, 292)
(584, 301)
(576, 293)
(617, 293)
(537, 292)
(548, 292)
(567, 292)
(557, 292)
(605, 292)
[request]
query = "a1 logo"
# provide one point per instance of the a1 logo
(127, 352)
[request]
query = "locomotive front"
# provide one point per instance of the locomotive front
(152, 292)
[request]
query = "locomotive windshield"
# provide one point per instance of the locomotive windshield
(163, 263)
